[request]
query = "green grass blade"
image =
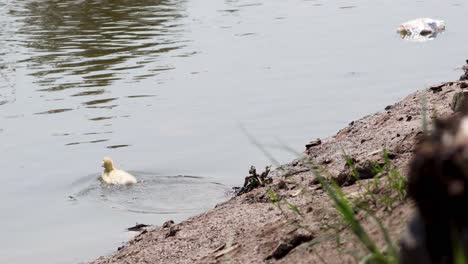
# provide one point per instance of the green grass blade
(260, 147)
(424, 113)
(344, 208)
(272, 195)
(458, 254)
(293, 208)
(392, 251)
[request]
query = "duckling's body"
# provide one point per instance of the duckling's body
(111, 175)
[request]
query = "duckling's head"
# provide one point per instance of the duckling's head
(107, 164)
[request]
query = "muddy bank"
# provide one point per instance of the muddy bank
(250, 229)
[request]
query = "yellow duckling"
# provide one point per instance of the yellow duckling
(111, 175)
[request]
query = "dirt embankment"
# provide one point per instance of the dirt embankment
(251, 229)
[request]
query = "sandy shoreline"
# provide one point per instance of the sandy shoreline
(250, 229)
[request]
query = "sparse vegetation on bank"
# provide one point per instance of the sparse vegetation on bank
(343, 201)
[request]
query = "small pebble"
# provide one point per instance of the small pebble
(313, 143)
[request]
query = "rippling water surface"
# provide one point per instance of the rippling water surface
(163, 86)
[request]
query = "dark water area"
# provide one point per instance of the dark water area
(165, 87)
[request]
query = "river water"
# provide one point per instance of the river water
(165, 87)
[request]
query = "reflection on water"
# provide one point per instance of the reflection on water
(87, 45)
(80, 56)
(94, 43)
(154, 194)
(54, 111)
(7, 70)
(92, 92)
(92, 141)
(347, 7)
(101, 118)
(117, 146)
(100, 101)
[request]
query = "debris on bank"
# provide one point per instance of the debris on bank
(137, 227)
(464, 76)
(254, 180)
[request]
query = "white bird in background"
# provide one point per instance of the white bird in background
(111, 175)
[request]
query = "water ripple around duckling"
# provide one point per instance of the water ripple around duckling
(153, 194)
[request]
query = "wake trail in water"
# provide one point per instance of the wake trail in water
(153, 194)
